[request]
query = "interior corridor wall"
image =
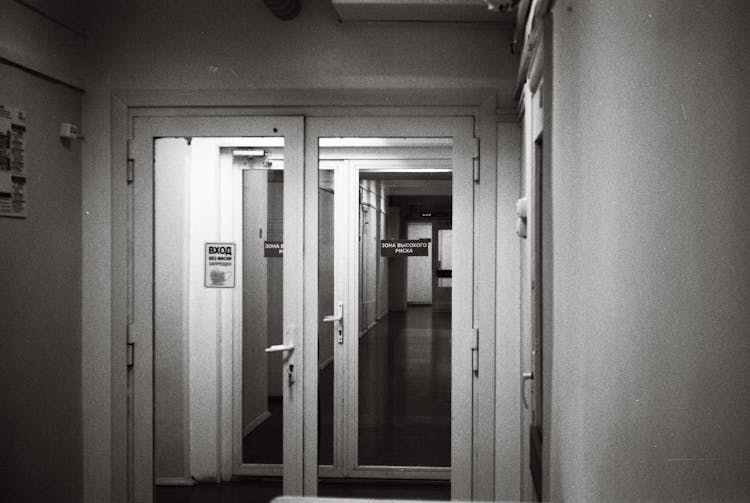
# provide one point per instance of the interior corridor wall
(40, 302)
(650, 282)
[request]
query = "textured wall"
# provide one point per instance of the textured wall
(650, 281)
(40, 303)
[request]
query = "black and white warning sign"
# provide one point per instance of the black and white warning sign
(273, 249)
(404, 247)
(220, 260)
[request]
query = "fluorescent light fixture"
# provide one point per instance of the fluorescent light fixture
(248, 153)
(385, 142)
(405, 170)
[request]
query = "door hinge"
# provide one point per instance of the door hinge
(475, 351)
(130, 349)
(130, 175)
(475, 158)
(130, 354)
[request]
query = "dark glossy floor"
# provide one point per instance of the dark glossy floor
(404, 390)
(262, 491)
(404, 416)
(263, 444)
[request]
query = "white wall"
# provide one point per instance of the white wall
(508, 464)
(650, 284)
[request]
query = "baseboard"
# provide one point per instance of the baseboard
(326, 362)
(175, 481)
(255, 423)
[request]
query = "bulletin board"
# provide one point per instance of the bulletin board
(13, 181)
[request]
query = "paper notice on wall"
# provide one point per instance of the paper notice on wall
(13, 181)
(219, 265)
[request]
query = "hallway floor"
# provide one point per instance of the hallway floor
(404, 416)
(263, 491)
(405, 390)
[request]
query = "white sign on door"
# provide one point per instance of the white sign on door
(219, 265)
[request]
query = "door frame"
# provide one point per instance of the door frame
(461, 129)
(141, 294)
(128, 105)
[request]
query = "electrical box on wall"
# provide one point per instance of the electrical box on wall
(70, 131)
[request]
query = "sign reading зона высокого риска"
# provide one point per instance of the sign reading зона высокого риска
(404, 247)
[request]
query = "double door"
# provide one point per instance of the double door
(273, 331)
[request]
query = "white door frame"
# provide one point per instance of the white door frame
(461, 129)
(141, 278)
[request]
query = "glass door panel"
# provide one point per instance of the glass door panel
(217, 243)
(404, 343)
(262, 302)
(384, 391)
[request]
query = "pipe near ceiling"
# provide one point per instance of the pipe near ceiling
(284, 9)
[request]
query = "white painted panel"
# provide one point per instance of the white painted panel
(419, 269)
(171, 174)
(203, 305)
(508, 429)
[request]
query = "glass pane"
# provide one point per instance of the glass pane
(326, 306)
(262, 301)
(218, 232)
(405, 329)
(370, 191)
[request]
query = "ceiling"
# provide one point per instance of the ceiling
(422, 10)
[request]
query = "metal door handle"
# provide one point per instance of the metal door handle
(339, 313)
(280, 347)
(526, 376)
(336, 318)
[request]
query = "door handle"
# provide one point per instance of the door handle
(336, 318)
(339, 313)
(280, 347)
(526, 376)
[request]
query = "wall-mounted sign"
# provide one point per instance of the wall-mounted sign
(434, 214)
(13, 194)
(273, 249)
(219, 265)
(404, 247)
